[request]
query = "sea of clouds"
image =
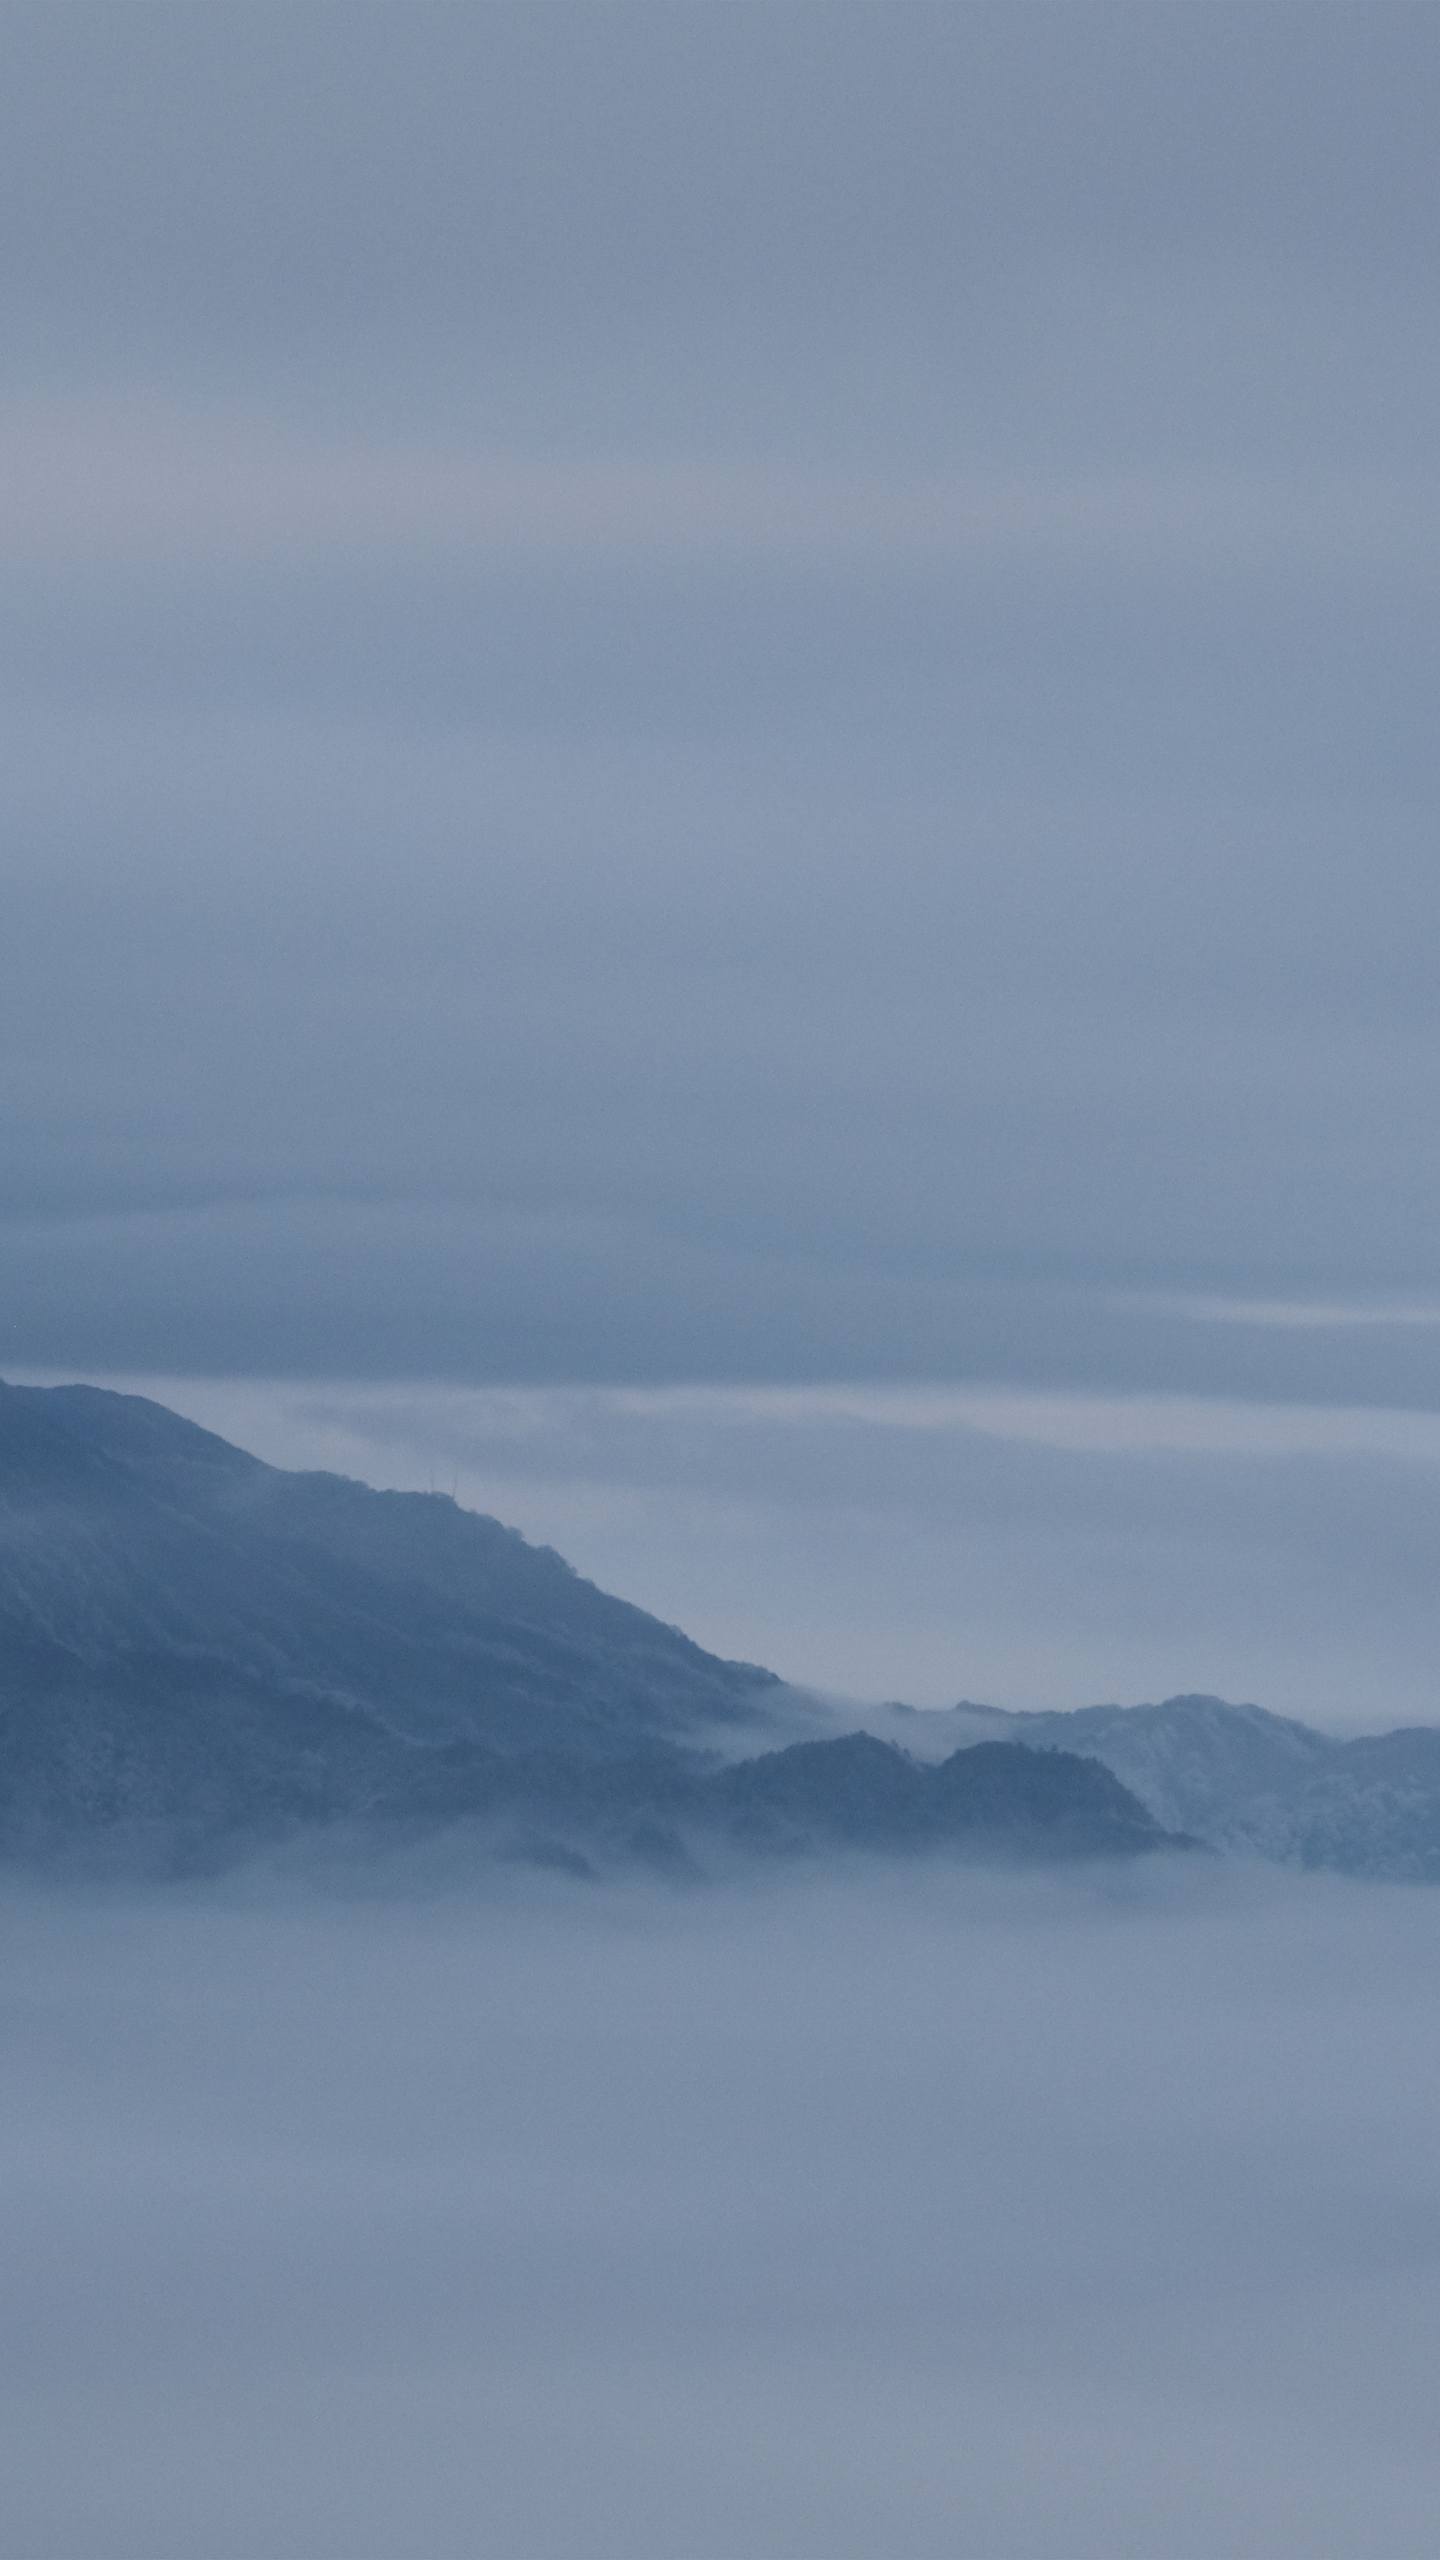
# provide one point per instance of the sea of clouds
(928, 2217)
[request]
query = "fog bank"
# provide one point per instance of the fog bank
(939, 2216)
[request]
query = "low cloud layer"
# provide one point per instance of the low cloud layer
(938, 2218)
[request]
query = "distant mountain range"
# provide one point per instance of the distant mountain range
(199, 1652)
(1237, 1777)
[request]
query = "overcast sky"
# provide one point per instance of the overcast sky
(743, 695)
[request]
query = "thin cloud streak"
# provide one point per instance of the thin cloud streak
(148, 484)
(1301, 1315)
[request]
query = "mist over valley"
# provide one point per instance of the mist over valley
(929, 2210)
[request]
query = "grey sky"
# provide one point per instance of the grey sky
(721, 693)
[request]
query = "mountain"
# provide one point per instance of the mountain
(199, 1651)
(131, 1540)
(1237, 1777)
(1368, 1807)
(869, 1794)
(191, 1637)
(808, 1800)
(1195, 1761)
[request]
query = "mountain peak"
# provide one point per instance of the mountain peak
(74, 1431)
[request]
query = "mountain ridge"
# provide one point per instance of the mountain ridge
(198, 1649)
(150, 1535)
(1236, 1776)
(194, 1642)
